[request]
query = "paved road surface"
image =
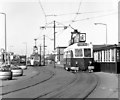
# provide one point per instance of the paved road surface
(55, 86)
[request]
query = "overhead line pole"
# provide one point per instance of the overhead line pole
(54, 45)
(44, 49)
(40, 54)
(54, 34)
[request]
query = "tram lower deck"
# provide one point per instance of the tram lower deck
(81, 63)
(78, 56)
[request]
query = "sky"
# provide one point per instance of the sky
(24, 19)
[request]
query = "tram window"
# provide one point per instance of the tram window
(87, 52)
(78, 53)
(71, 54)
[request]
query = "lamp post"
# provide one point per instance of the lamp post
(5, 37)
(106, 29)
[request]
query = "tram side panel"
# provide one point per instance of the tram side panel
(81, 63)
(78, 62)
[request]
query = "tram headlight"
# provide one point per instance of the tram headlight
(76, 63)
(90, 62)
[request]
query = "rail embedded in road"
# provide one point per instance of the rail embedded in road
(32, 81)
(80, 87)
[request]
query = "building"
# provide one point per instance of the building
(59, 54)
(107, 58)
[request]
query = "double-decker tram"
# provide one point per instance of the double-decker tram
(78, 56)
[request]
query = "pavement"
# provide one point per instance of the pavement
(107, 86)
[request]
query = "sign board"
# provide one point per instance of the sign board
(82, 44)
(82, 37)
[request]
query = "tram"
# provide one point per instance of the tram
(22, 60)
(78, 56)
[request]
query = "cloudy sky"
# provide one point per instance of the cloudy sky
(25, 17)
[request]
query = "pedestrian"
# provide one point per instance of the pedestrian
(32, 62)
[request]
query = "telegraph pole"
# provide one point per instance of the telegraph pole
(40, 54)
(54, 45)
(54, 35)
(44, 49)
(54, 27)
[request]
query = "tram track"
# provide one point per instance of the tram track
(57, 89)
(59, 86)
(51, 75)
(53, 84)
(77, 85)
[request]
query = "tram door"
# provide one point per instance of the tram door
(69, 58)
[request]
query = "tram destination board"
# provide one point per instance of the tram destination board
(82, 44)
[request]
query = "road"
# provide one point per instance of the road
(107, 86)
(55, 83)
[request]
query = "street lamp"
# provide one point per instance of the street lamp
(106, 29)
(5, 37)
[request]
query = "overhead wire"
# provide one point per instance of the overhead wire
(95, 17)
(78, 10)
(43, 11)
(90, 17)
(76, 13)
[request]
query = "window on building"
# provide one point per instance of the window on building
(109, 55)
(102, 55)
(96, 56)
(118, 55)
(105, 55)
(113, 55)
(99, 56)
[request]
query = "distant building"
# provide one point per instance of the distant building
(59, 54)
